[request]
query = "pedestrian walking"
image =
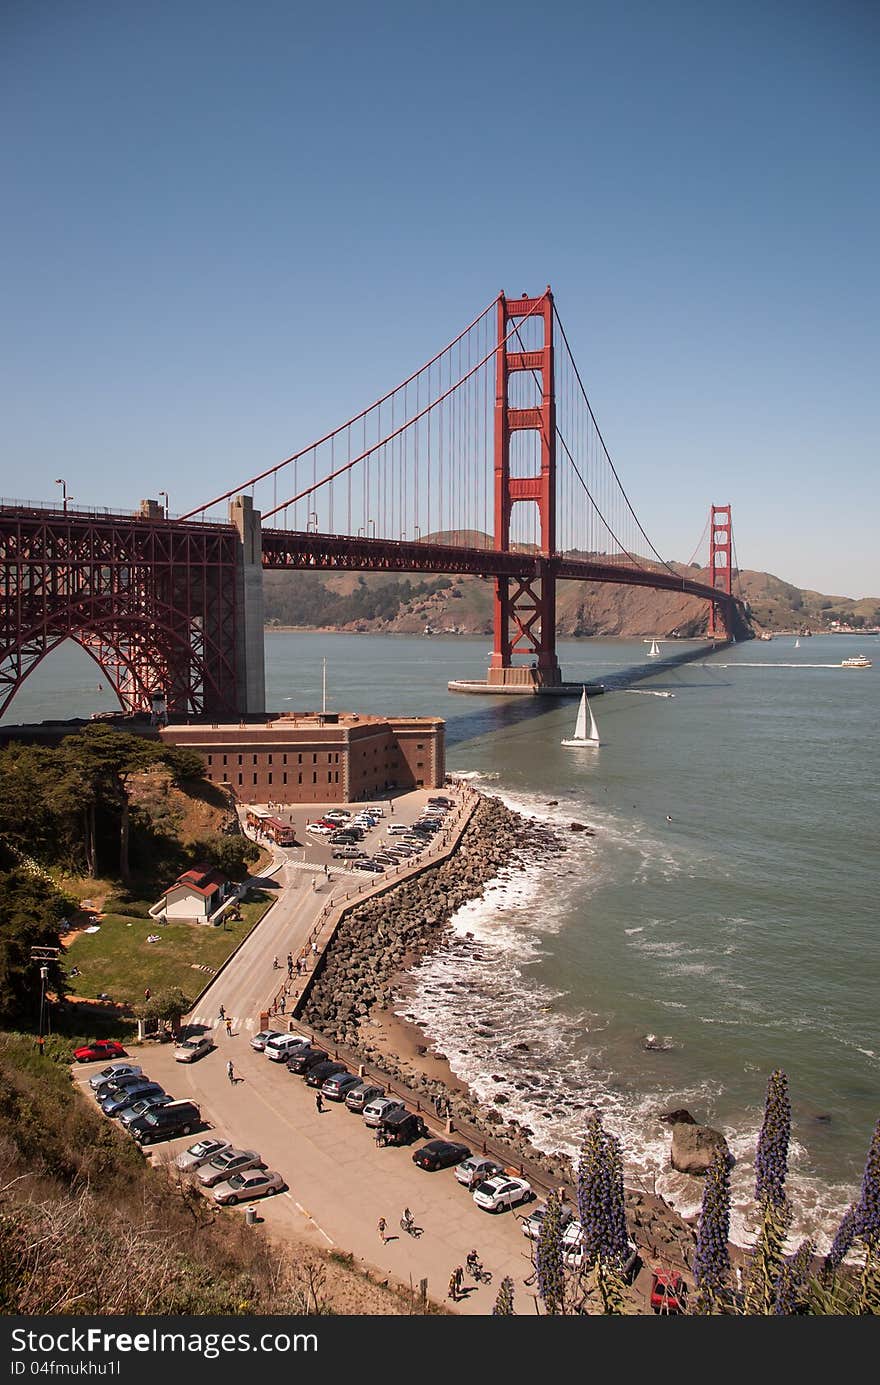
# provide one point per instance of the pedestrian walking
(327, 871)
(228, 1026)
(453, 1287)
(289, 960)
(283, 1003)
(459, 1280)
(290, 971)
(438, 1107)
(275, 963)
(221, 1014)
(147, 993)
(380, 1227)
(319, 1103)
(314, 949)
(230, 1072)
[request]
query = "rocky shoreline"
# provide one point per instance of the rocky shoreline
(379, 941)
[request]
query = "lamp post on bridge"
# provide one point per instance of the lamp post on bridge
(167, 503)
(373, 522)
(417, 531)
(64, 496)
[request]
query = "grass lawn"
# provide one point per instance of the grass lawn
(119, 961)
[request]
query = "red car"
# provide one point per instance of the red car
(668, 1292)
(99, 1050)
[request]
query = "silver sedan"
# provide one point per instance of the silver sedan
(242, 1187)
(226, 1163)
(200, 1153)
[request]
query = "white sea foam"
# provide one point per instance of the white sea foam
(478, 997)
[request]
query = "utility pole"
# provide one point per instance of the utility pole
(324, 685)
(43, 955)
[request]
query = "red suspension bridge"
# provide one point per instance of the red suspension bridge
(488, 460)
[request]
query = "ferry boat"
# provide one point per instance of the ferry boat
(856, 661)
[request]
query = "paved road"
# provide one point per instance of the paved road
(248, 984)
(340, 1184)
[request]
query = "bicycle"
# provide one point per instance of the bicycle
(478, 1272)
(408, 1225)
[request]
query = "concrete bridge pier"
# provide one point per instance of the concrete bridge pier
(250, 653)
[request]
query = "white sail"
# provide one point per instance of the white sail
(797, 644)
(584, 735)
(594, 730)
(654, 651)
(580, 728)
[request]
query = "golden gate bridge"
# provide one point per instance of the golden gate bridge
(488, 460)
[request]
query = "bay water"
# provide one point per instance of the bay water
(722, 921)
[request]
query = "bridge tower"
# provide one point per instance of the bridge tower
(525, 608)
(720, 569)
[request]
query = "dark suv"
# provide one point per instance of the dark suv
(318, 1075)
(304, 1059)
(164, 1122)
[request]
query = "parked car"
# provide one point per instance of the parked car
(260, 1040)
(668, 1292)
(368, 865)
(317, 1076)
(337, 815)
(402, 1127)
(302, 1060)
(242, 1187)
(320, 829)
(113, 1070)
(395, 828)
(280, 1049)
(348, 853)
(502, 1191)
(201, 1152)
(531, 1225)
(226, 1163)
(98, 1049)
(336, 1086)
(356, 1098)
(119, 1084)
(115, 1103)
(438, 801)
(477, 1169)
(573, 1250)
(440, 1154)
(377, 1110)
(165, 1122)
(189, 1049)
(143, 1103)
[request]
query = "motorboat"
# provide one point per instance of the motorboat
(855, 661)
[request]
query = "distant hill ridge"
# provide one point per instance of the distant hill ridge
(418, 603)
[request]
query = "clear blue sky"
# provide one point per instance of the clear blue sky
(227, 226)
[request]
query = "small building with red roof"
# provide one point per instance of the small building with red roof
(194, 896)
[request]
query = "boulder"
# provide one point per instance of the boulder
(693, 1147)
(680, 1116)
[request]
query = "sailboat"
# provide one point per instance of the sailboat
(797, 644)
(586, 731)
(654, 651)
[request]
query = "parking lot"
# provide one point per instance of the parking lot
(339, 1183)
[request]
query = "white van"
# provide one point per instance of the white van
(280, 1048)
(396, 827)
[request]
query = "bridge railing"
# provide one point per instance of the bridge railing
(52, 507)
